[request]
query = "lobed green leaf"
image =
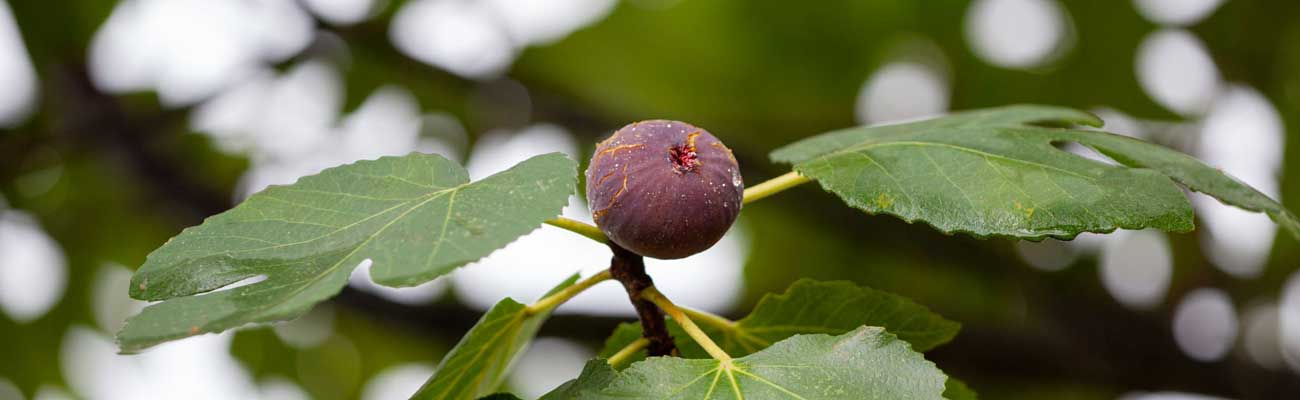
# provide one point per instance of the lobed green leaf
(866, 363)
(415, 217)
(596, 375)
(996, 172)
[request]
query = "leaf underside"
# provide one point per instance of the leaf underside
(478, 364)
(866, 363)
(810, 306)
(995, 172)
(415, 217)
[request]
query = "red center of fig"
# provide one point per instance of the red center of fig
(684, 158)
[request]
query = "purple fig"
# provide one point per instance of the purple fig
(664, 189)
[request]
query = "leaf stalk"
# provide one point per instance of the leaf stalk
(579, 227)
(687, 325)
(709, 318)
(627, 352)
(773, 186)
(550, 302)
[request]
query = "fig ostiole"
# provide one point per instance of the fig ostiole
(664, 189)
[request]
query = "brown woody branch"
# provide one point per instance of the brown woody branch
(629, 269)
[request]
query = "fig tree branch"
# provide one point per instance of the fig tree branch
(629, 269)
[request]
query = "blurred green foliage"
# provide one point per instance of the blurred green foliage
(759, 74)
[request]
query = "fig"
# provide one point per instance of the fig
(664, 189)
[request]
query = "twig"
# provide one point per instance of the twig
(629, 269)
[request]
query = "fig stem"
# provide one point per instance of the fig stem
(554, 300)
(627, 352)
(773, 186)
(687, 325)
(629, 269)
(579, 227)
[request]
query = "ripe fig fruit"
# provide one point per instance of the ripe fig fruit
(664, 189)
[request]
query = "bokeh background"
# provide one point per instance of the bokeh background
(123, 122)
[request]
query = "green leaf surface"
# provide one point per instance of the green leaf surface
(628, 332)
(416, 217)
(809, 306)
(995, 172)
(596, 375)
(866, 363)
(478, 364)
(955, 389)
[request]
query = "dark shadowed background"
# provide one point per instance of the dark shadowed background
(123, 122)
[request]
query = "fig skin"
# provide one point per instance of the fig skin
(664, 189)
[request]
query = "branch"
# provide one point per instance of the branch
(629, 269)
(98, 122)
